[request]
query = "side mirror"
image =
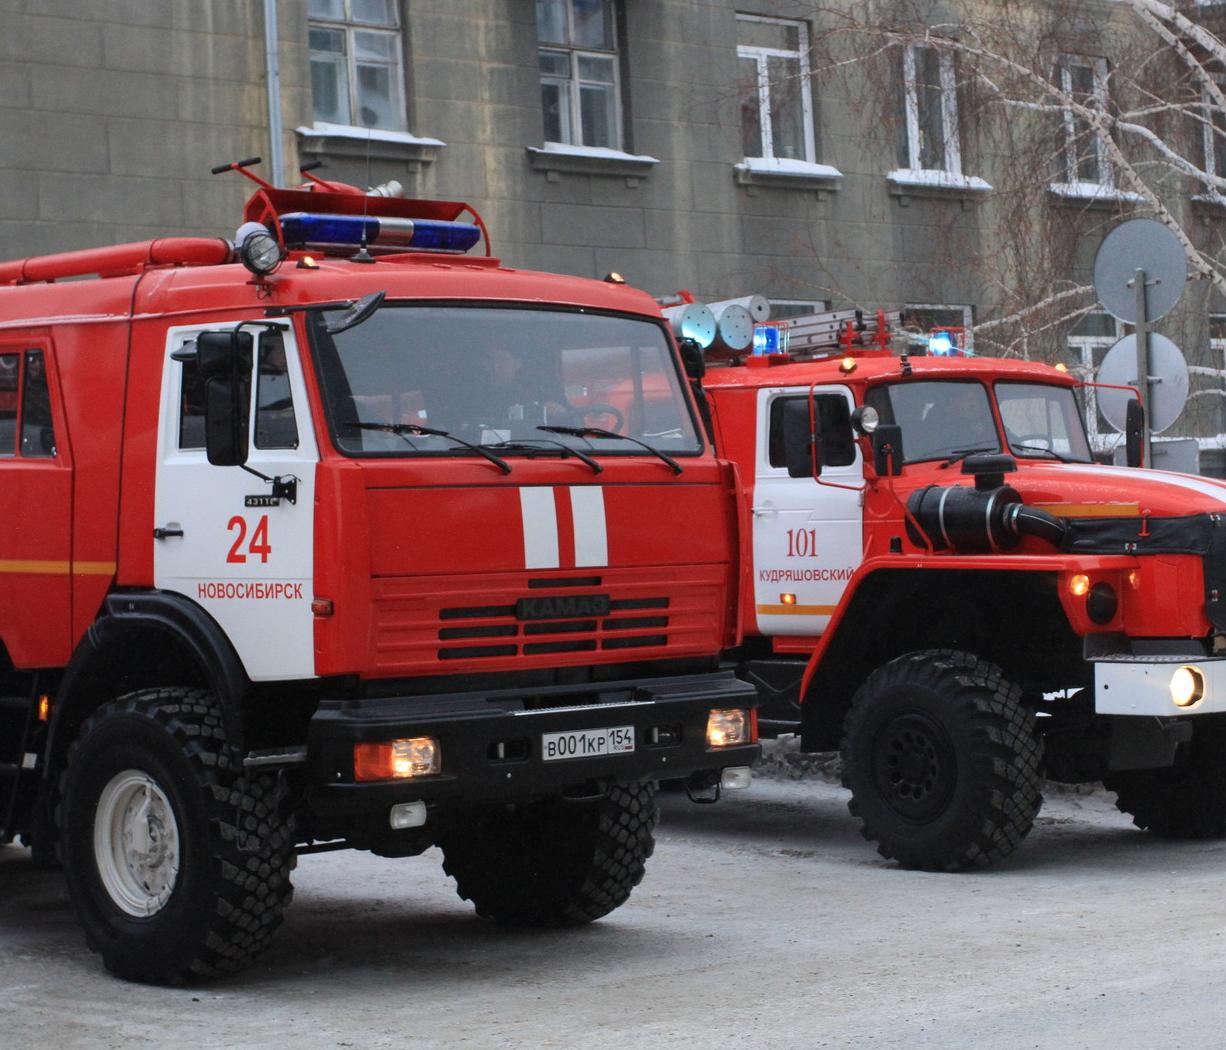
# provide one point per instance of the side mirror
(1134, 433)
(802, 452)
(692, 359)
(887, 449)
(224, 361)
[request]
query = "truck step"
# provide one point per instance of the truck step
(14, 703)
(8, 770)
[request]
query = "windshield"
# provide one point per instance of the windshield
(939, 419)
(495, 375)
(1042, 421)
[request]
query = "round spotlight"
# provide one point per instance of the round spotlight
(1079, 585)
(865, 419)
(1187, 687)
(258, 249)
(1102, 603)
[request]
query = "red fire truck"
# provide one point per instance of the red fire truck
(328, 537)
(946, 587)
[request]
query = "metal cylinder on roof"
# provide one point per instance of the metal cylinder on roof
(758, 306)
(692, 321)
(734, 325)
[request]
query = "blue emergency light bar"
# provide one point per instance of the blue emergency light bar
(769, 339)
(321, 232)
(945, 344)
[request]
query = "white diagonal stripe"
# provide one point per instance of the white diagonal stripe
(540, 516)
(591, 535)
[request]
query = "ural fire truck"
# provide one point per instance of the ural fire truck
(945, 586)
(330, 537)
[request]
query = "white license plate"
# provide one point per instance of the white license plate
(587, 743)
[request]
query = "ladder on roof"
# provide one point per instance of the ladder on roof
(828, 332)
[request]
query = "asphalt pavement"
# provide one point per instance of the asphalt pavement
(763, 922)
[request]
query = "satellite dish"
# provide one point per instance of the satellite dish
(1168, 393)
(1140, 244)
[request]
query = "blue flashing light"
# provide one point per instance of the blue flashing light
(308, 230)
(765, 340)
(941, 344)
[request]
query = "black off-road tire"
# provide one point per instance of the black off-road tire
(235, 840)
(553, 862)
(943, 761)
(1186, 800)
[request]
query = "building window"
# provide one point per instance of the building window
(1087, 345)
(955, 321)
(1084, 156)
(786, 309)
(931, 102)
(776, 102)
(357, 74)
(1215, 139)
(580, 96)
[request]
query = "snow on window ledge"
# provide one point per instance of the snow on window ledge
(344, 140)
(1093, 192)
(782, 171)
(555, 158)
(926, 182)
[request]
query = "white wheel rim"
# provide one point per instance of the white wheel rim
(136, 843)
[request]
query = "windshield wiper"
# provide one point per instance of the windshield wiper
(962, 453)
(586, 432)
(1048, 451)
(547, 445)
(404, 429)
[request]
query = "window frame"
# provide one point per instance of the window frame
(1106, 169)
(349, 26)
(949, 109)
(573, 55)
(1210, 137)
(761, 56)
(1084, 346)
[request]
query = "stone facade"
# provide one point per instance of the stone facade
(113, 111)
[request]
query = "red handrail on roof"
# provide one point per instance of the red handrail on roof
(118, 259)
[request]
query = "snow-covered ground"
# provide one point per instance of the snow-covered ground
(764, 922)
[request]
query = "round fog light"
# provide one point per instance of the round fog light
(1187, 687)
(1102, 603)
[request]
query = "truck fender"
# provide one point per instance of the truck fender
(123, 632)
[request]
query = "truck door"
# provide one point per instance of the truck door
(222, 539)
(36, 561)
(807, 537)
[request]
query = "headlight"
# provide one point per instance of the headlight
(728, 728)
(1102, 603)
(417, 756)
(1187, 687)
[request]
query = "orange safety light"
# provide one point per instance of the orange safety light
(417, 756)
(44, 707)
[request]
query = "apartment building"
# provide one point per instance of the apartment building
(819, 153)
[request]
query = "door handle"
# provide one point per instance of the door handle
(769, 511)
(170, 529)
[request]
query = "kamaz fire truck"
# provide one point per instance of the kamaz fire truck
(330, 537)
(947, 588)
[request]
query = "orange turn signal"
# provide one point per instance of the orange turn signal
(417, 756)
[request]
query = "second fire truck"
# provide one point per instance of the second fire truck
(946, 587)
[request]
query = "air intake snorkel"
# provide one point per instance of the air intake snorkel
(990, 518)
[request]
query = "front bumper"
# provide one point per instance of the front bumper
(1130, 686)
(491, 743)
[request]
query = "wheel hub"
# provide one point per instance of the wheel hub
(136, 843)
(914, 766)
